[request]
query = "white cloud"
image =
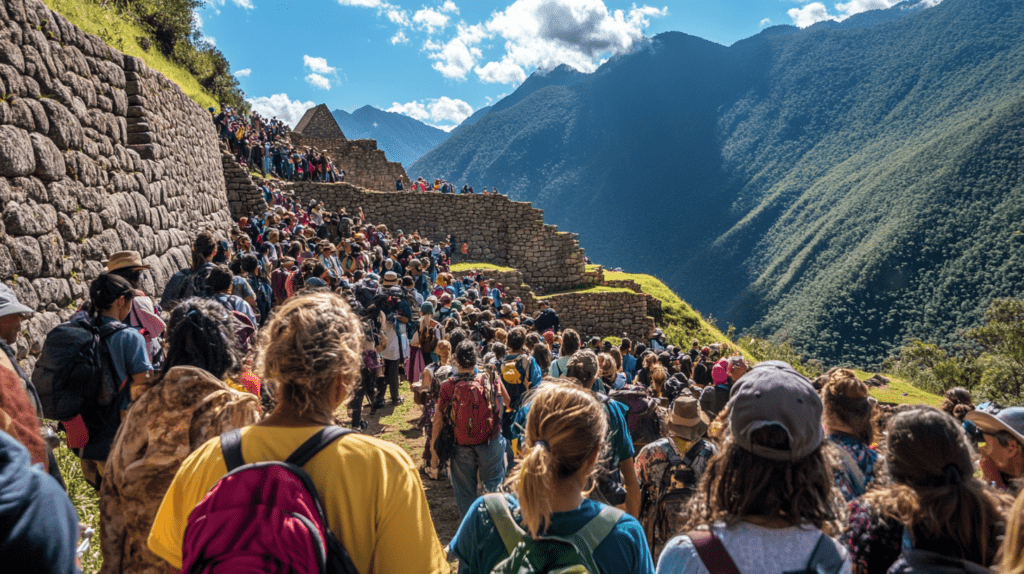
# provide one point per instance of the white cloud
(810, 14)
(449, 6)
(363, 3)
(816, 12)
(319, 81)
(210, 40)
(414, 110)
(243, 73)
(430, 20)
(503, 72)
(318, 65)
(765, 22)
(281, 107)
(456, 58)
(247, 4)
(442, 110)
(398, 16)
(857, 6)
(399, 38)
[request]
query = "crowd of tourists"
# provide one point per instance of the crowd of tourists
(260, 144)
(443, 186)
(224, 429)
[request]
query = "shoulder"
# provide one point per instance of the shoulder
(680, 557)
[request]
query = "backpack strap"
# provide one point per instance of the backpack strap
(231, 448)
(315, 444)
(712, 552)
(825, 559)
(599, 527)
(510, 532)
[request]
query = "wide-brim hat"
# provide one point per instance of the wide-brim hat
(390, 279)
(687, 420)
(1010, 419)
(126, 260)
(9, 303)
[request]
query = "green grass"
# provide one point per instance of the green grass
(463, 267)
(121, 33)
(597, 289)
(397, 425)
(900, 392)
(86, 502)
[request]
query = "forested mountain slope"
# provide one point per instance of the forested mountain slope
(402, 138)
(849, 187)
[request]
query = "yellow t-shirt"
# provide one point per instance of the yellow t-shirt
(372, 493)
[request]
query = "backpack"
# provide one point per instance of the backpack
(678, 485)
(264, 296)
(644, 418)
(365, 290)
(245, 329)
(552, 554)
(825, 559)
(514, 374)
(429, 340)
(184, 284)
(472, 413)
(74, 375)
(264, 513)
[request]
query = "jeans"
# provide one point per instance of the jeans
(488, 459)
(363, 389)
(390, 380)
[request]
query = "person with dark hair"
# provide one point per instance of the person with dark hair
(628, 360)
(220, 281)
(542, 356)
(240, 286)
(570, 344)
(192, 281)
(260, 287)
(145, 315)
(110, 302)
(1000, 438)
(187, 404)
(770, 493)
(935, 516)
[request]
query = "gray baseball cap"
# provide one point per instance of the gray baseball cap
(773, 393)
(9, 304)
(1009, 419)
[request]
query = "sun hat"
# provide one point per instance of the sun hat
(506, 309)
(390, 279)
(126, 259)
(1010, 419)
(772, 393)
(9, 304)
(427, 308)
(687, 420)
(720, 372)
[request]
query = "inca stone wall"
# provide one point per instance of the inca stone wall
(365, 166)
(497, 229)
(245, 199)
(98, 154)
(611, 314)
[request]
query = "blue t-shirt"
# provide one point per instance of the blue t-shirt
(622, 442)
(127, 352)
(629, 367)
(624, 551)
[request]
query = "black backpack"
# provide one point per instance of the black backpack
(184, 284)
(678, 485)
(74, 371)
(264, 296)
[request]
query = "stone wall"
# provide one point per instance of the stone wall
(612, 314)
(498, 230)
(245, 199)
(365, 166)
(98, 154)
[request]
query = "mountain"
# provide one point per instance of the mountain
(402, 138)
(847, 187)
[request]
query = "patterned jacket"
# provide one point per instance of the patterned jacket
(169, 421)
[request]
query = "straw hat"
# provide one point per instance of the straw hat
(126, 259)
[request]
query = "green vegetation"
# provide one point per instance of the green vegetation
(585, 290)
(463, 267)
(163, 34)
(86, 502)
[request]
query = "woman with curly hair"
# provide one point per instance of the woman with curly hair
(373, 499)
(936, 514)
(848, 419)
(768, 502)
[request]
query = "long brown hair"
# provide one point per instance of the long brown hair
(846, 401)
(936, 494)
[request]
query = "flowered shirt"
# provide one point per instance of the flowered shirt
(863, 455)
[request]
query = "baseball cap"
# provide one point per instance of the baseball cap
(773, 393)
(583, 363)
(9, 304)
(1010, 419)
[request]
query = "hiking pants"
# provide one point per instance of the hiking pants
(487, 459)
(390, 379)
(363, 389)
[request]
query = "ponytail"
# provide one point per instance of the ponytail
(565, 426)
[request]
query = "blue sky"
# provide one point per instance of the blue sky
(440, 60)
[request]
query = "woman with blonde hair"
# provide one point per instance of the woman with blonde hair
(564, 442)
(1012, 561)
(370, 490)
(849, 421)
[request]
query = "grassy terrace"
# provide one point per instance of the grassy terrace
(123, 34)
(463, 267)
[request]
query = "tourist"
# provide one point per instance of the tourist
(145, 315)
(221, 281)
(935, 514)
(430, 388)
(767, 498)
(187, 404)
(849, 424)
(372, 495)
(191, 282)
(570, 344)
(1000, 439)
(564, 441)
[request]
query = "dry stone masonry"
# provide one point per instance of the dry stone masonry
(605, 314)
(496, 229)
(98, 154)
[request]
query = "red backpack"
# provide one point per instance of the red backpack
(473, 412)
(264, 513)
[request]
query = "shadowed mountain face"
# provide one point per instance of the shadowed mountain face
(402, 138)
(849, 186)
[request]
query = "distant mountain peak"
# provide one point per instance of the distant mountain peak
(402, 138)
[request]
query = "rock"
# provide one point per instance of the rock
(51, 246)
(49, 161)
(28, 258)
(16, 155)
(6, 263)
(29, 219)
(65, 129)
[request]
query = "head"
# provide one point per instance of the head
(444, 351)
(582, 366)
(111, 295)
(846, 405)
(127, 264)
(542, 355)
(773, 461)
(201, 333)
(625, 346)
(929, 454)
(957, 402)
(606, 366)
(12, 312)
(570, 342)
(203, 249)
(1001, 439)
(516, 340)
(310, 352)
(564, 435)
(465, 355)
(220, 279)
